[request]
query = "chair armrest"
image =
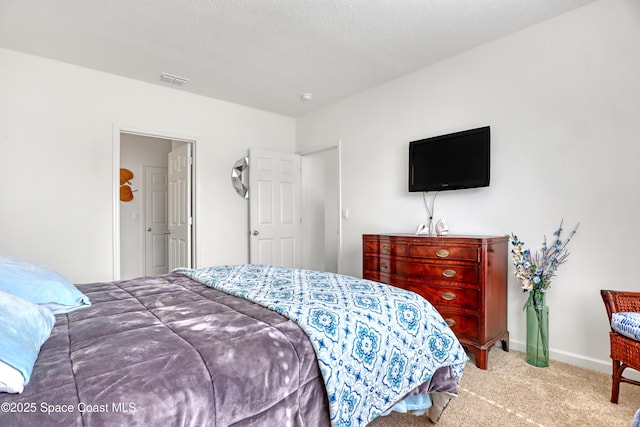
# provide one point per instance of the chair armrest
(620, 301)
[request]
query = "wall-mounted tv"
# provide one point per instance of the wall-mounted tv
(450, 162)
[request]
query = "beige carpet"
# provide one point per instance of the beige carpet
(512, 393)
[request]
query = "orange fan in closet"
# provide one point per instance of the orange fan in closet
(126, 194)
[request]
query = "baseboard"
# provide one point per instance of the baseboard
(581, 361)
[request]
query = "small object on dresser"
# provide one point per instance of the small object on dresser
(442, 229)
(422, 229)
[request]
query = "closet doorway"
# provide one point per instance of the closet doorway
(321, 207)
(155, 228)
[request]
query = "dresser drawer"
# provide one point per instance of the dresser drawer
(463, 325)
(447, 296)
(420, 250)
(421, 271)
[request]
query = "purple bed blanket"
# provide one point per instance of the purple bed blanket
(168, 351)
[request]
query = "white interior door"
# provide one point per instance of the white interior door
(156, 222)
(179, 207)
(274, 208)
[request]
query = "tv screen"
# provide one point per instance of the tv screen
(450, 162)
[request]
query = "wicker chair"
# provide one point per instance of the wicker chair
(625, 352)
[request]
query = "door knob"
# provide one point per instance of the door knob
(148, 228)
(255, 232)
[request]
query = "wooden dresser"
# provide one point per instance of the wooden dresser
(464, 277)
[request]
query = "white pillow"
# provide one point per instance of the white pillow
(11, 380)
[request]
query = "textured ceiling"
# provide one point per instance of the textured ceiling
(264, 53)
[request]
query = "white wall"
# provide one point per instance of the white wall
(563, 102)
(56, 191)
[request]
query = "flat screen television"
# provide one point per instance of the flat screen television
(450, 162)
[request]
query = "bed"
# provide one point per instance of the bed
(239, 346)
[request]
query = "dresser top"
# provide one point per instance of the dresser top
(449, 237)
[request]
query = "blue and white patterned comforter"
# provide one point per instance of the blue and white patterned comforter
(374, 343)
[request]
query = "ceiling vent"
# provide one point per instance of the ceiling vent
(170, 78)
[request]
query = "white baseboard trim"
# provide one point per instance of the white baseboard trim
(581, 361)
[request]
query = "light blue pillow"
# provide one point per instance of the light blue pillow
(24, 327)
(40, 285)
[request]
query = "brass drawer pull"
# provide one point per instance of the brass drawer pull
(450, 322)
(386, 249)
(442, 253)
(448, 296)
(449, 273)
(384, 266)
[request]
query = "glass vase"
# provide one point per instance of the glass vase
(537, 329)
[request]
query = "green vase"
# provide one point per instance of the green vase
(537, 329)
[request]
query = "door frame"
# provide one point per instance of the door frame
(117, 130)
